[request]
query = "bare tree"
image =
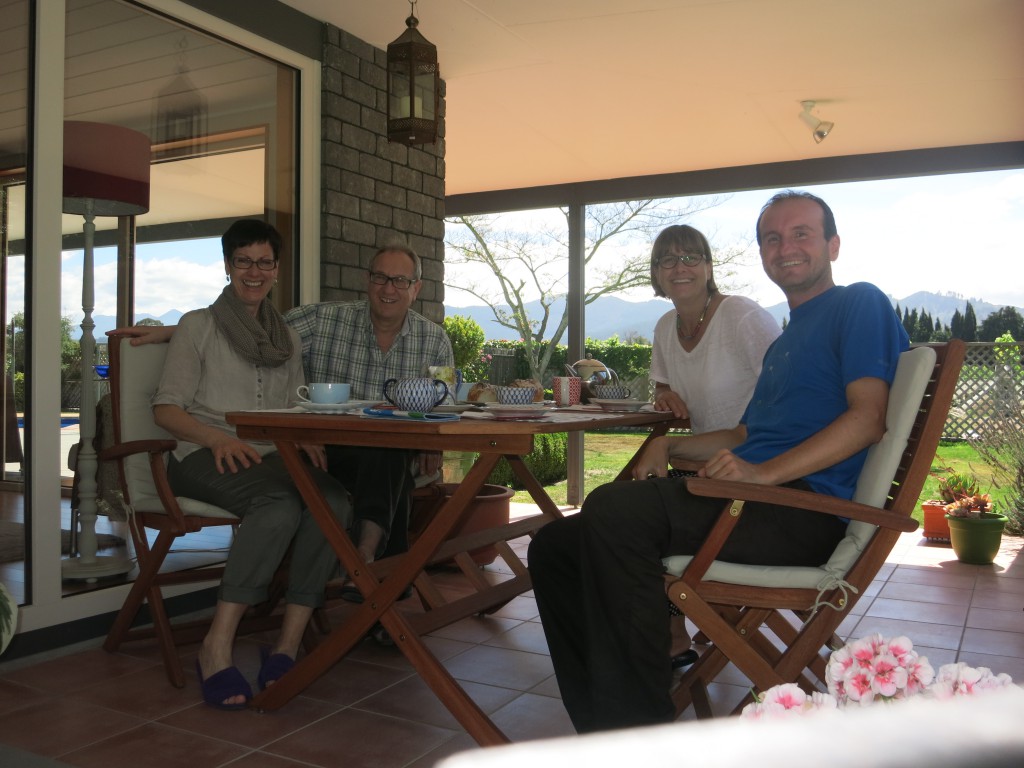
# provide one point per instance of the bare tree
(522, 264)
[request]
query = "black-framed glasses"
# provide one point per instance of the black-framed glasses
(401, 282)
(669, 260)
(244, 262)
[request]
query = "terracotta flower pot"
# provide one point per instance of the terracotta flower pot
(935, 526)
(976, 540)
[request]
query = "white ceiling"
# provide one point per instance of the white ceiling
(554, 91)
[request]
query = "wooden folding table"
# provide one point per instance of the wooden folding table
(383, 582)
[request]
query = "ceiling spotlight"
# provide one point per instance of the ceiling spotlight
(819, 128)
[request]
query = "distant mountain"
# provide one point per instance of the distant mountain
(609, 316)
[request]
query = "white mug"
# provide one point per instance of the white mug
(324, 393)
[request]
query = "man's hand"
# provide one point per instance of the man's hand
(725, 465)
(150, 334)
(653, 462)
(316, 453)
(430, 462)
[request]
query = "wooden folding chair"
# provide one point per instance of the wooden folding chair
(746, 612)
(140, 448)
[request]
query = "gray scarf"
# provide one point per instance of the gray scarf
(262, 340)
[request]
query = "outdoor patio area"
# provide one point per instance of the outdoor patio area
(91, 708)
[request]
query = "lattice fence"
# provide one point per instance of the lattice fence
(991, 387)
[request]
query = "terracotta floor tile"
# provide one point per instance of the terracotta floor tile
(922, 593)
(357, 739)
(413, 700)
(155, 746)
(476, 629)
(1006, 621)
(920, 633)
(533, 717)
(933, 613)
(528, 636)
(57, 725)
(932, 577)
(81, 670)
(350, 681)
(498, 666)
(249, 728)
(993, 642)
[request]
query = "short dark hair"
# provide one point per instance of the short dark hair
(417, 265)
(680, 237)
(793, 194)
(246, 232)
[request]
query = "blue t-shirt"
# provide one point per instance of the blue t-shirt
(847, 333)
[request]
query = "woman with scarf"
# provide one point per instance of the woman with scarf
(238, 354)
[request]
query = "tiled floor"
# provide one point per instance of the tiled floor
(92, 708)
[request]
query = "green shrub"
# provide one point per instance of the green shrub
(546, 461)
(467, 338)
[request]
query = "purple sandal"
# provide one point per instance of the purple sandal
(224, 685)
(273, 669)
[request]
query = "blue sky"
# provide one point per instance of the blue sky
(960, 233)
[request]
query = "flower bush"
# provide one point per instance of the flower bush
(875, 669)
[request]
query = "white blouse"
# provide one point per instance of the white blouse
(717, 378)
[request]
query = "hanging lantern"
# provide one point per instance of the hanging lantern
(413, 86)
(180, 114)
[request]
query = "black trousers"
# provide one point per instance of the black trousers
(380, 481)
(597, 577)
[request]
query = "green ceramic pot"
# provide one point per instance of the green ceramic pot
(976, 540)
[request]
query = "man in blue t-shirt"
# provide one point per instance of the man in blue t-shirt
(818, 405)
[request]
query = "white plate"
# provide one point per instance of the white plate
(619, 406)
(351, 405)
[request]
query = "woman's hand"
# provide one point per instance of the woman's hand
(667, 400)
(316, 453)
(232, 454)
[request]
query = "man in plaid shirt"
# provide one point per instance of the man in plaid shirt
(366, 343)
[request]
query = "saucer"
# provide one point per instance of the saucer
(517, 412)
(348, 405)
(619, 406)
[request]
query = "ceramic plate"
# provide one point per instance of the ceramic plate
(510, 412)
(351, 405)
(619, 406)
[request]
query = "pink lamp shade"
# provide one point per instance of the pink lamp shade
(108, 165)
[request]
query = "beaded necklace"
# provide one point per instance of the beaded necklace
(700, 322)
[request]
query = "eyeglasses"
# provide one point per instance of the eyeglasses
(401, 282)
(669, 260)
(244, 262)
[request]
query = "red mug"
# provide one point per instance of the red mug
(566, 390)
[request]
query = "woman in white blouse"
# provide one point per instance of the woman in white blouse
(707, 350)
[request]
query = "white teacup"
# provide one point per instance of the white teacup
(325, 393)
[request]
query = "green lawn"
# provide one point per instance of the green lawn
(605, 454)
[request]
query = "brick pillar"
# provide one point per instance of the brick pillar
(374, 192)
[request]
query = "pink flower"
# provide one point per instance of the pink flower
(961, 680)
(872, 669)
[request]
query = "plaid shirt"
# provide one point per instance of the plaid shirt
(338, 344)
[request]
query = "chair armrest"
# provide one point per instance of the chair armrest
(123, 450)
(808, 500)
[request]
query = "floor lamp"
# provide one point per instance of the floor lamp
(106, 173)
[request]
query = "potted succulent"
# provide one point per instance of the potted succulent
(975, 530)
(952, 486)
